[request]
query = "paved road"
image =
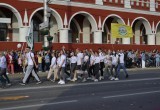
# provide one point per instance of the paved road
(141, 91)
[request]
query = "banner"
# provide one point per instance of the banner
(121, 31)
(29, 37)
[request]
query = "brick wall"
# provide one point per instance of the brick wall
(38, 46)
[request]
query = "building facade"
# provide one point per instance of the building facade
(81, 21)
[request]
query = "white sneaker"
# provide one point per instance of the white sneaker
(89, 78)
(59, 81)
(69, 79)
(62, 82)
(113, 78)
(116, 79)
(95, 80)
(73, 80)
(84, 80)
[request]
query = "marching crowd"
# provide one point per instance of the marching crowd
(84, 64)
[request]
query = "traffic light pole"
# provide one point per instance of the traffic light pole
(46, 20)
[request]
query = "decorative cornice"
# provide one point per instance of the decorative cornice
(101, 7)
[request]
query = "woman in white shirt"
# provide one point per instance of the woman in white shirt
(96, 66)
(114, 58)
(73, 61)
(52, 68)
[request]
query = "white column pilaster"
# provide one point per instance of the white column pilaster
(98, 37)
(99, 2)
(127, 3)
(151, 39)
(63, 35)
(23, 32)
(152, 5)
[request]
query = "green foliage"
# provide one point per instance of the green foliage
(44, 32)
(46, 48)
(49, 38)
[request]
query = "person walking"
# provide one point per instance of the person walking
(30, 67)
(52, 68)
(73, 64)
(3, 67)
(121, 65)
(61, 67)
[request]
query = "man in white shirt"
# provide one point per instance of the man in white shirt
(3, 66)
(121, 65)
(30, 67)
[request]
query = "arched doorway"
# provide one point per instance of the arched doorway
(84, 25)
(55, 24)
(141, 29)
(106, 35)
(9, 31)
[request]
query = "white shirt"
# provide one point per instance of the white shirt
(86, 58)
(62, 60)
(97, 59)
(101, 56)
(3, 63)
(73, 59)
(121, 57)
(53, 62)
(29, 59)
(79, 58)
(92, 59)
(107, 59)
(114, 59)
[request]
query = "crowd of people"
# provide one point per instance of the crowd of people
(73, 64)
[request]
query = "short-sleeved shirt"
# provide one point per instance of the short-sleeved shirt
(53, 62)
(29, 59)
(63, 60)
(3, 63)
(79, 58)
(39, 59)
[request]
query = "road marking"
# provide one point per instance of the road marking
(133, 94)
(13, 98)
(75, 84)
(38, 105)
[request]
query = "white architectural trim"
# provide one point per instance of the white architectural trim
(94, 6)
(54, 13)
(112, 15)
(15, 11)
(157, 27)
(146, 24)
(88, 16)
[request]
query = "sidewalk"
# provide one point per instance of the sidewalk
(44, 74)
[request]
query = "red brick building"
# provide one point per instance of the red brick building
(81, 21)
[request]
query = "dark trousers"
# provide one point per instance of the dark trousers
(96, 70)
(115, 68)
(101, 67)
(90, 73)
(73, 68)
(66, 71)
(4, 75)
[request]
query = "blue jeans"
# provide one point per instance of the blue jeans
(121, 65)
(39, 66)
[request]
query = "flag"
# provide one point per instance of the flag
(29, 37)
(121, 31)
